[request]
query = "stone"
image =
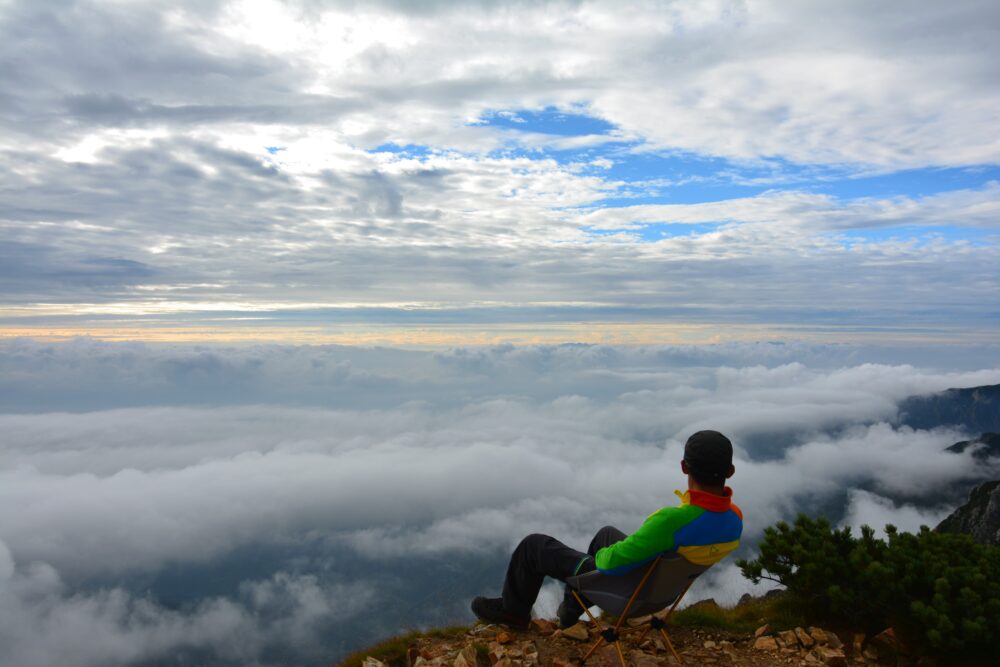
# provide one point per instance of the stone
(789, 637)
(870, 653)
(504, 637)
(708, 603)
(639, 620)
(496, 653)
(830, 656)
(762, 630)
(818, 635)
(887, 642)
(804, 637)
(543, 625)
(466, 657)
(834, 640)
(577, 632)
(530, 653)
(765, 643)
(560, 662)
(374, 662)
(641, 659)
(504, 662)
(859, 641)
(709, 644)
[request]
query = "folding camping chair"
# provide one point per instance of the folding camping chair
(642, 591)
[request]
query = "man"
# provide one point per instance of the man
(703, 529)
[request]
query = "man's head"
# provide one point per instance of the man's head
(708, 458)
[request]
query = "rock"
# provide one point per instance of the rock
(577, 632)
(530, 653)
(496, 653)
(641, 659)
(870, 652)
(830, 656)
(504, 637)
(834, 640)
(504, 662)
(708, 603)
(746, 598)
(762, 630)
(374, 662)
(789, 637)
(765, 643)
(709, 644)
(818, 635)
(543, 625)
(887, 642)
(804, 637)
(560, 662)
(859, 642)
(466, 657)
(640, 620)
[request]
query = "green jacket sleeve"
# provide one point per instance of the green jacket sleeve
(655, 536)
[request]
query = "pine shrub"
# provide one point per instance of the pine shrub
(940, 591)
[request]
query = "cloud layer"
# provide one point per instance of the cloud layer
(321, 503)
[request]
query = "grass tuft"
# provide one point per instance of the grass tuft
(778, 611)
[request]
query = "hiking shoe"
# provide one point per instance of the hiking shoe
(569, 614)
(492, 611)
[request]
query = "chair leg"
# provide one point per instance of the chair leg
(670, 645)
(600, 640)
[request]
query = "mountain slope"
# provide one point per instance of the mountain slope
(980, 517)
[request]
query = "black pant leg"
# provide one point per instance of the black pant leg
(536, 557)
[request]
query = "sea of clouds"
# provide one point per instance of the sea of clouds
(269, 505)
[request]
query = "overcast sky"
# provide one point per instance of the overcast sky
(438, 173)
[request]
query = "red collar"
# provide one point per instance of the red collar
(711, 501)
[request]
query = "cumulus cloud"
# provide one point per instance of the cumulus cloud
(45, 621)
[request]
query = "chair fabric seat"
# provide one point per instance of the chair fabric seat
(612, 592)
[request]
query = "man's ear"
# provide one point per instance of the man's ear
(684, 467)
(732, 471)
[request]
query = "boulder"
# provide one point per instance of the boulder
(577, 632)
(762, 630)
(819, 635)
(466, 657)
(765, 643)
(789, 638)
(804, 637)
(374, 662)
(543, 625)
(830, 656)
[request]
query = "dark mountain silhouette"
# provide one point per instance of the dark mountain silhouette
(984, 447)
(980, 517)
(977, 409)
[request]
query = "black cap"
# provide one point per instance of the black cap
(709, 454)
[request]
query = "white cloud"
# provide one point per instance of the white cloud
(45, 622)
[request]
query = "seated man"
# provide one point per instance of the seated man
(703, 529)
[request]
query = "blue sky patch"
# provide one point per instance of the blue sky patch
(547, 121)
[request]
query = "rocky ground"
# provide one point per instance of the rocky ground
(543, 645)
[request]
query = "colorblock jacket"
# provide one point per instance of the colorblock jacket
(703, 529)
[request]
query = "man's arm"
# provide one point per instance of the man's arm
(655, 536)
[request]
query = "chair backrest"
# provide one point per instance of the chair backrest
(611, 593)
